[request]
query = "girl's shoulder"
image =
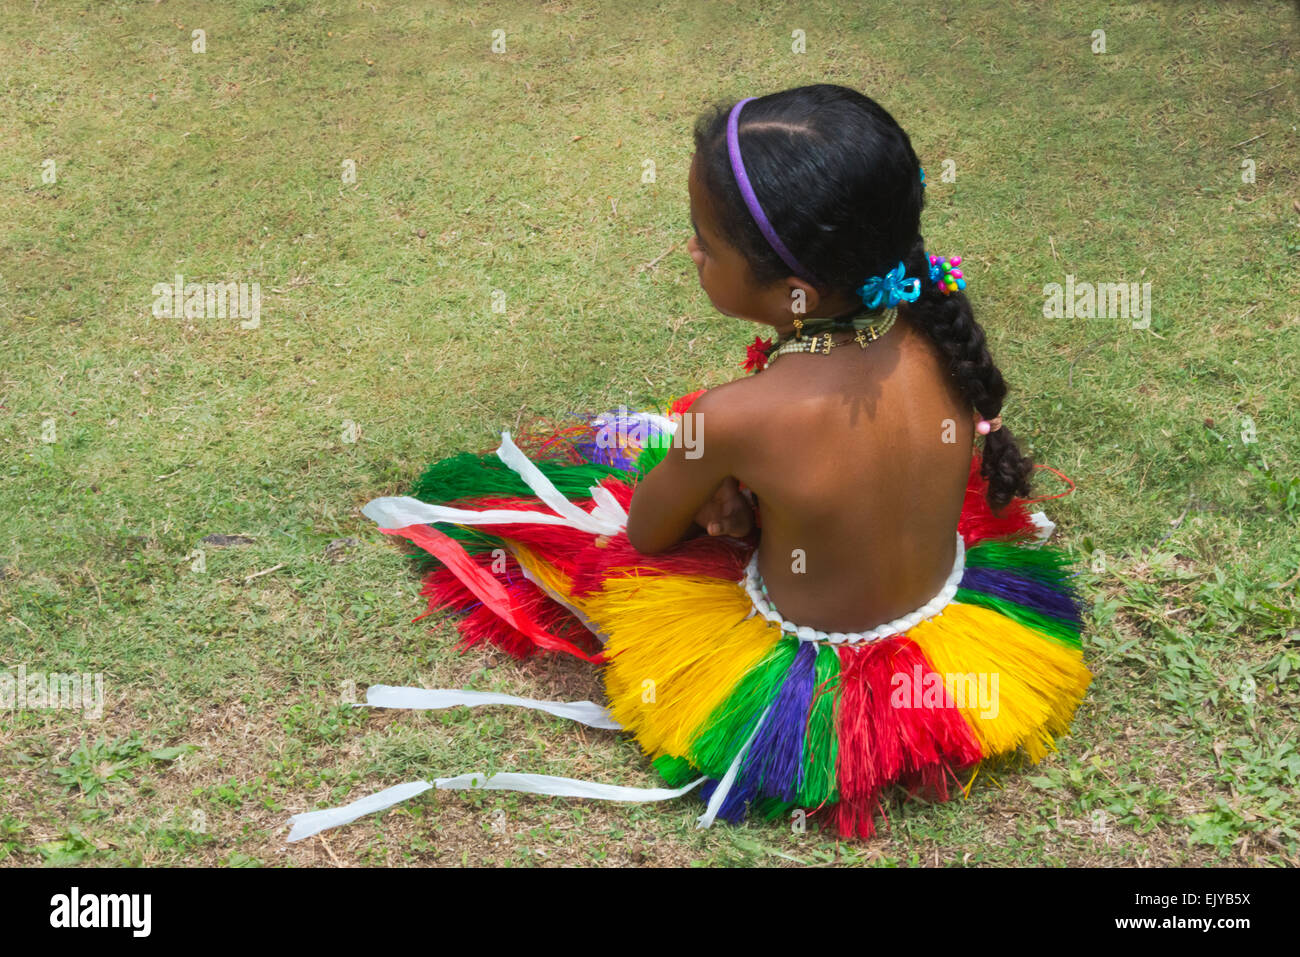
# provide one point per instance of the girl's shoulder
(734, 404)
(725, 406)
(741, 415)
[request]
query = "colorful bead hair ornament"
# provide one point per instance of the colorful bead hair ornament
(945, 274)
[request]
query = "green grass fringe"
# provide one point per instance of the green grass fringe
(1049, 564)
(732, 721)
(821, 742)
(678, 772)
(1058, 629)
(466, 475)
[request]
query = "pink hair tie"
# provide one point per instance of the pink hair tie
(984, 427)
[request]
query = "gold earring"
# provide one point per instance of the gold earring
(798, 328)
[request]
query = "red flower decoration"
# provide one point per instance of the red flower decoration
(756, 355)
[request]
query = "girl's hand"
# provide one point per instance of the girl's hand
(729, 512)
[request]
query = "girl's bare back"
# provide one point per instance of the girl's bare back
(859, 492)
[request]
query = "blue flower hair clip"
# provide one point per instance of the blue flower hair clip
(890, 289)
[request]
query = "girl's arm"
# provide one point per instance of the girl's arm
(729, 512)
(668, 499)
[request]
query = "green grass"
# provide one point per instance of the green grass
(522, 172)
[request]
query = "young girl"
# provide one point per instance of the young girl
(804, 586)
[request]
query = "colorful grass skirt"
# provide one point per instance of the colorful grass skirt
(529, 551)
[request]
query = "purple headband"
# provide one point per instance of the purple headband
(751, 200)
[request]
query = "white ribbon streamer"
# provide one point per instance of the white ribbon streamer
(601, 520)
(724, 786)
(562, 787)
(313, 822)
(435, 699)
(399, 511)
(1045, 526)
(386, 696)
(607, 517)
(606, 503)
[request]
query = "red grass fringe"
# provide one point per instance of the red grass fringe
(480, 624)
(880, 744)
(977, 519)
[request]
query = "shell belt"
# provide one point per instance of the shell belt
(757, 590)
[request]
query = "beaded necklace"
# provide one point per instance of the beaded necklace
(819, 339)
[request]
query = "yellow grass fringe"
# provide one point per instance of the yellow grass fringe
(1040, 682)
(677, 647)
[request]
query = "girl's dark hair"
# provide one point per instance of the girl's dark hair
(841, 185)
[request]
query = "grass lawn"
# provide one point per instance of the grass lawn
(128, 438)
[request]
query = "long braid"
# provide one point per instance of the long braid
(950, 323)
